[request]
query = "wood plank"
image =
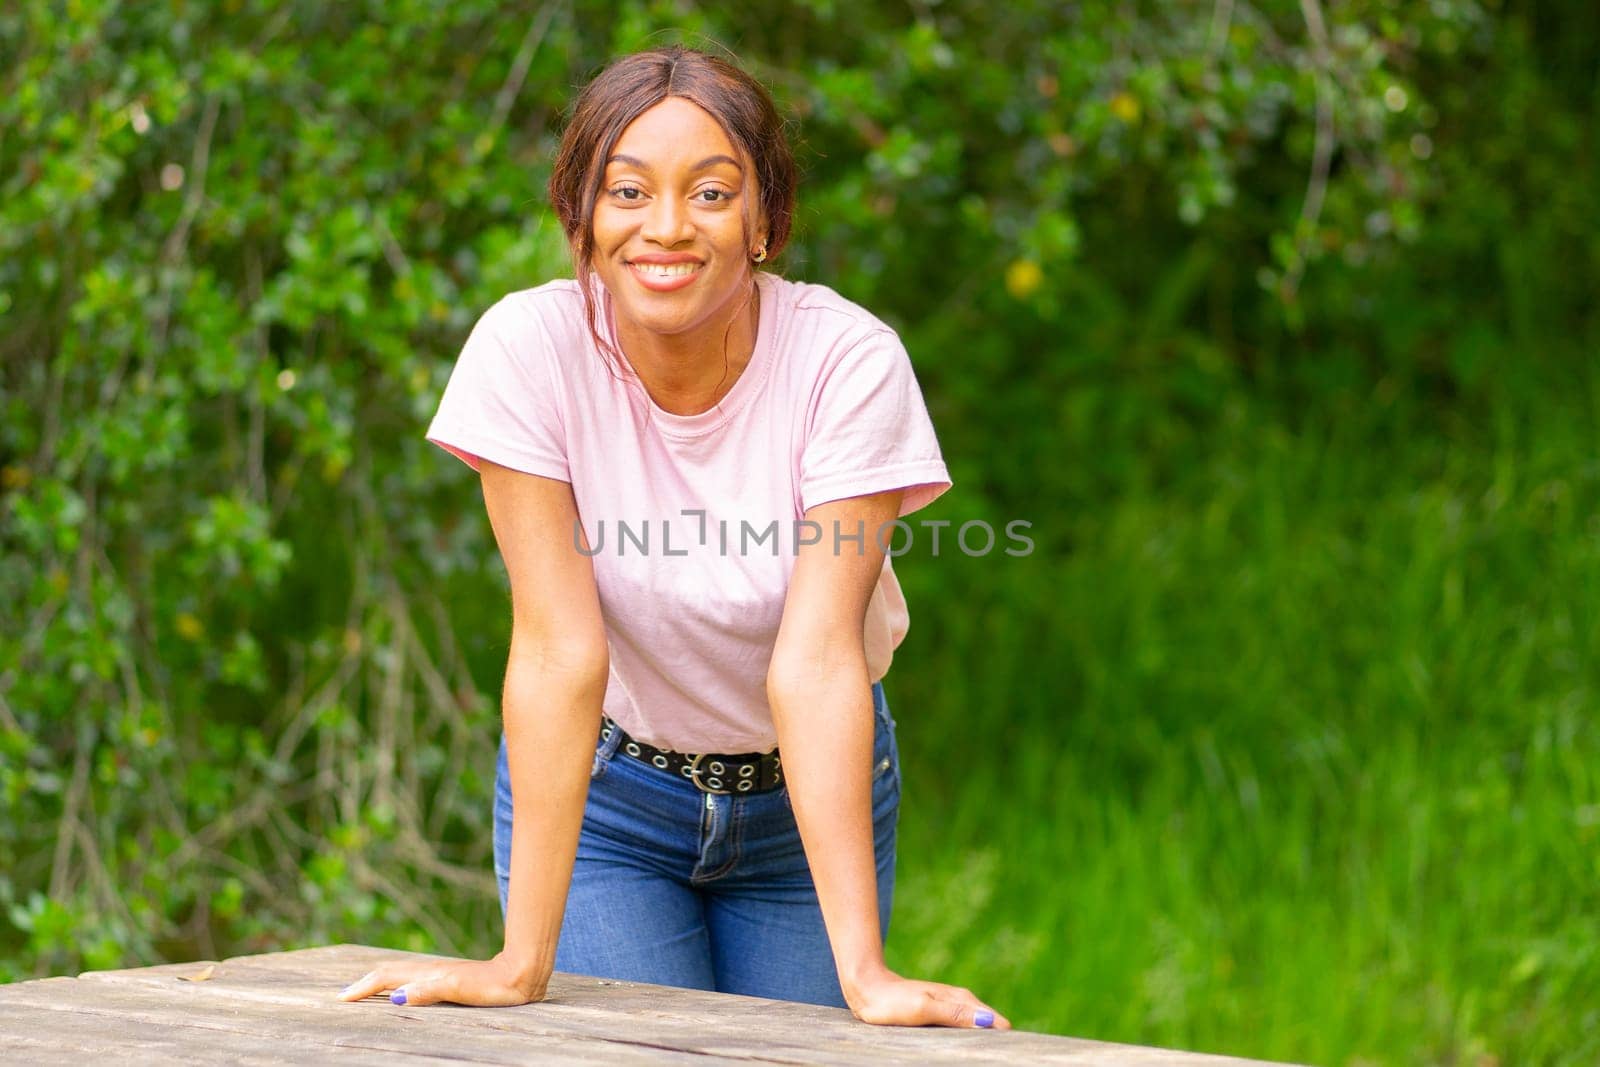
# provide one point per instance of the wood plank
(746, 1026)
(371, 1030)
(291, 996)
(31, 1036)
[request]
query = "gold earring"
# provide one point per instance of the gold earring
(761, 253)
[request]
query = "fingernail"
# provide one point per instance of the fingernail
(399, 997)
(983, 1017)
(346, 990)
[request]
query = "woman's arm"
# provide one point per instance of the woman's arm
(555, 682)
(821, 704)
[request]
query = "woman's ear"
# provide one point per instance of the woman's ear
(761, 237)
(760, 230)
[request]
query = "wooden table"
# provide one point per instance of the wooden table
(281, 1008)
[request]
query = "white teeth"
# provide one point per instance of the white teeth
(666, 270)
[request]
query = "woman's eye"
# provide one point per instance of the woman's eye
(627, 192)
(713, 196)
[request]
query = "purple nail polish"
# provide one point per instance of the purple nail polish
(983, 1017)
(399, 997)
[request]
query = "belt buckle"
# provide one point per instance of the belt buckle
(694, 776)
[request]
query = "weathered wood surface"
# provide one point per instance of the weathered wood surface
(282, 1008)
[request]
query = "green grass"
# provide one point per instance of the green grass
(1300, 755)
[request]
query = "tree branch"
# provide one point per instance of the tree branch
(1322, 153)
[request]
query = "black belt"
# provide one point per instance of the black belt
(748, 772)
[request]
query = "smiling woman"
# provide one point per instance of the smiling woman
(646, 827)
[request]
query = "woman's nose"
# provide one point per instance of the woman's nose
(667, 222)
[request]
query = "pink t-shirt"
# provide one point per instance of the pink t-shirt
(693, 519)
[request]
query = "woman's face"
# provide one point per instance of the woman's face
(669, 224)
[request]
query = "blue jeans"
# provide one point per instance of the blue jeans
(683, 888)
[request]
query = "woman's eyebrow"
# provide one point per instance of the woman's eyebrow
(709, 161)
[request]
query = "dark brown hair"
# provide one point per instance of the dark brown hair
(632, 85)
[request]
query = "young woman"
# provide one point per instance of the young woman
(691, 467)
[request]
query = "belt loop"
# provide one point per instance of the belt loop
(607, 746)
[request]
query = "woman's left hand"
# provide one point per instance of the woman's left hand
(890, 1000)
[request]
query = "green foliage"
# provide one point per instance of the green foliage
(1274, 318)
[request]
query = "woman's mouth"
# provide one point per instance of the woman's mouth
(665, 277)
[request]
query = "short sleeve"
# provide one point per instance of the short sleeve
(501, 403)
(869, 430)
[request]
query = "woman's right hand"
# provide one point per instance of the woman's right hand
(494, 983)
(890, 1000)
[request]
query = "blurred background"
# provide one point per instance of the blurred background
(1276, 318)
